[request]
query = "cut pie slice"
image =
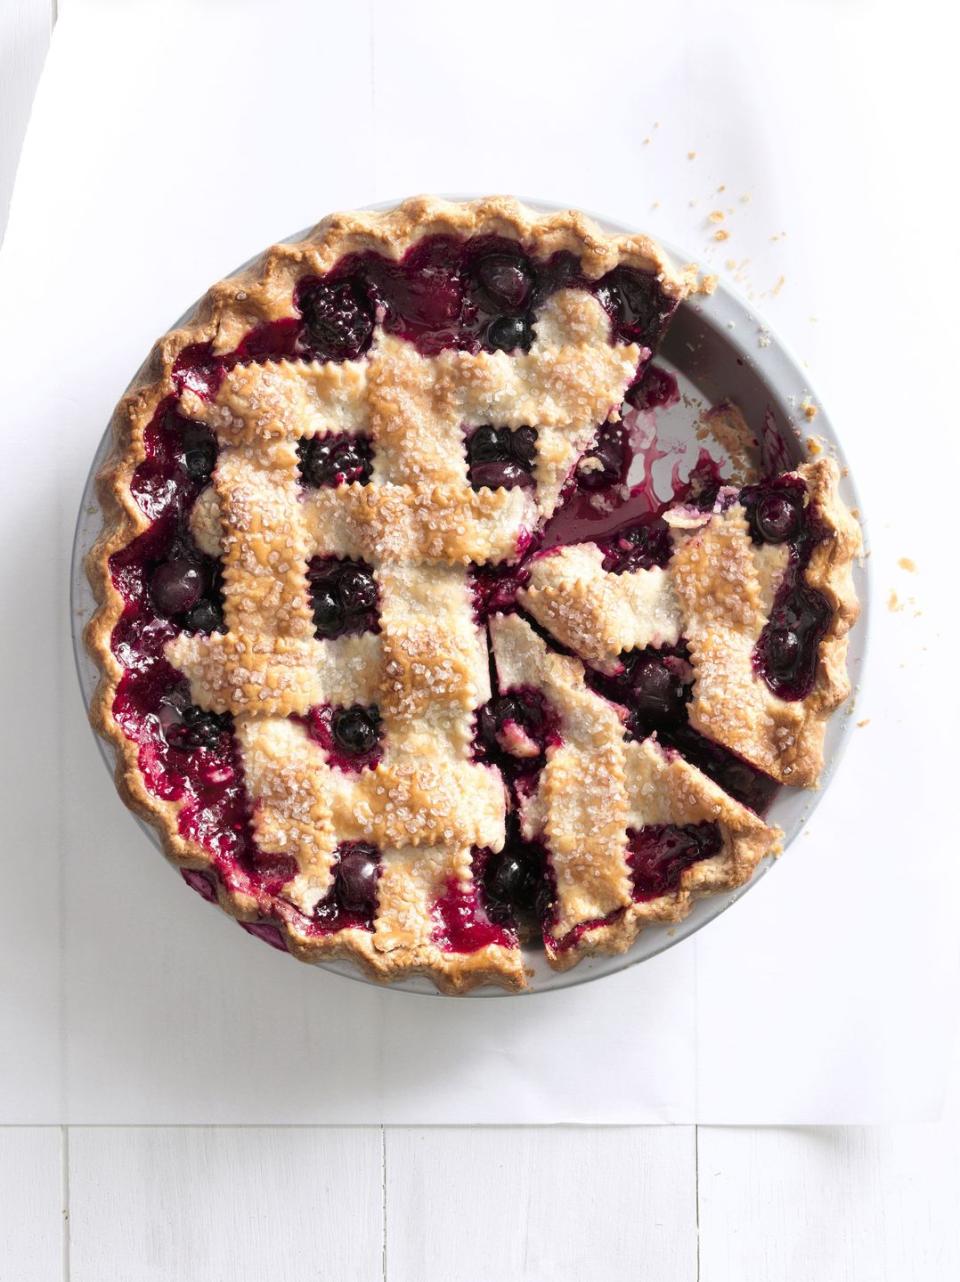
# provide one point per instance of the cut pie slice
(632, 831)
(758, 586)
(362, 463)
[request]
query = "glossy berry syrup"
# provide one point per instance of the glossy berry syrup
(461, 924)
(660, 854)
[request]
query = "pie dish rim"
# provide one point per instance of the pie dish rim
(591, 967)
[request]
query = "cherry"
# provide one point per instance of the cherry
(635, 305)
(782, 650)
(777, 516)
(655, 693)
(505, 280)
(661, 853)
(500, 458)
(433, 298)
(176, 586)
(356, 879)
(500, 476)
(601, 466)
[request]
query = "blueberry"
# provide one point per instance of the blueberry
(511, 881)
(356, 729)
(199, 461)
(484, 445)
(656, 694)
(206, 616)
(523, 444)
(545, 906)
(505, 280)
(507, 333)
(176, 586)
(327, 610)
(633, 301)
(777, 517)
(487, 727)
(783, 649)
(338, 318)
(600, 467)
(499, 476)
(357, 588)
(356, 880)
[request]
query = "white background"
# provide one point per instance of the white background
(833, 118)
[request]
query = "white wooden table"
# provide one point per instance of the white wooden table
(192, 1204)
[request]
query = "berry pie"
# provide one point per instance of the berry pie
(394, 656)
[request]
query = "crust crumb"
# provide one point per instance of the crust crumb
(709, 284)
(809, 409)
(894, 604)
(691, 155)
(721, 234)
(907, 563)
(781, 281)
(864, 722)
(716, 215)
(814, 445)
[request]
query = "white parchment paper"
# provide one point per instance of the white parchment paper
(170, 141)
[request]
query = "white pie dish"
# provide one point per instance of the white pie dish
(714, 348)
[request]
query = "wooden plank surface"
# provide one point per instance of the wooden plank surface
(835, 1204)
(590, 1203)
(205, 1204)
(31, 1204)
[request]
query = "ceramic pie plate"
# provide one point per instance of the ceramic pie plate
(719, 350)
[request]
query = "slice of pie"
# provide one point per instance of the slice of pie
(395, 659)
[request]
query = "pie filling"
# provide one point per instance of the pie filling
(473, 295)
